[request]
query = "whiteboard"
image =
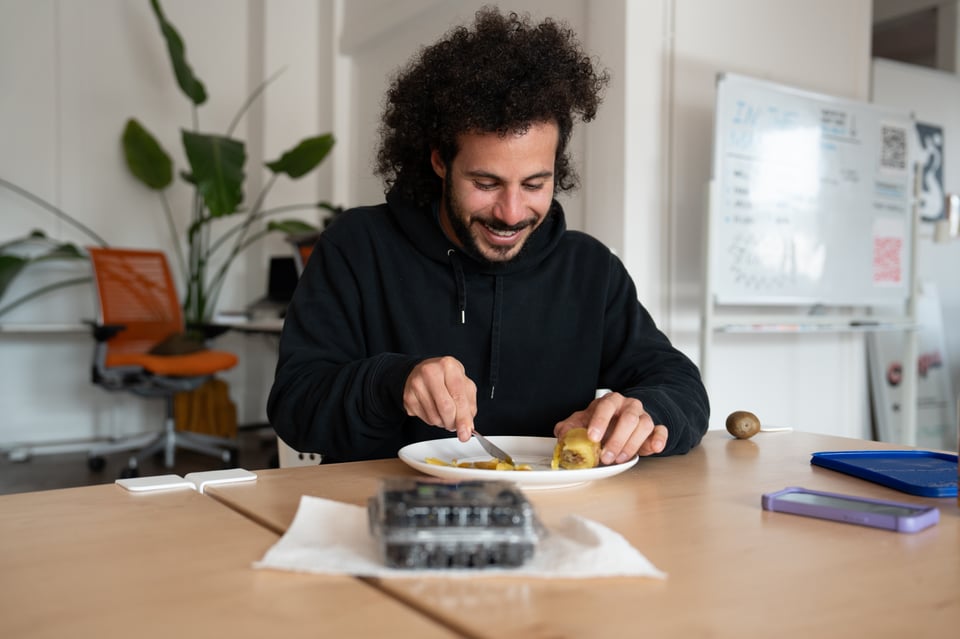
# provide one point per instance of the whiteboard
(811, 199)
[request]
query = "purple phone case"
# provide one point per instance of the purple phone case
(923, 517)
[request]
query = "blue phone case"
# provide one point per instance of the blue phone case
(917, 472)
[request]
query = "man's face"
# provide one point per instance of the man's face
(497, 190)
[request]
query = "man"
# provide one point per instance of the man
(463, 302)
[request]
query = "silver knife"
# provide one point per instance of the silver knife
(493, 450)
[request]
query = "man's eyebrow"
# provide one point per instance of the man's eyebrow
(493, 176)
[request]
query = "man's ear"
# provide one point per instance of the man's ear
(437, 162)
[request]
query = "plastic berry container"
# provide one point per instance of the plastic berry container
(434, 524)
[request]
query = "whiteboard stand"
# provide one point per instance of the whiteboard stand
(855, 197)
(911, 348)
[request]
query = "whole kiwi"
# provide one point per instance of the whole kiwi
(743, 424)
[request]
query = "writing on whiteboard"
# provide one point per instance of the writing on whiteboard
(812, 198)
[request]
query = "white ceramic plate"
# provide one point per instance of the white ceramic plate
(536, 451)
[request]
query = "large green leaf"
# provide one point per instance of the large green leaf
(10, 267)
(216, 168)
(35, 236)
(304, 157)
(145, 158)
(189, 83)
(11, 264)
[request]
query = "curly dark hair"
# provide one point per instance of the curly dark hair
(502, 76)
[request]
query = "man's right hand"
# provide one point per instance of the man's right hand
(439, 392)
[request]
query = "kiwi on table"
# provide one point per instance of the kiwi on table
(743, 424)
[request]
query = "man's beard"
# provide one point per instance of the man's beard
(460, 223)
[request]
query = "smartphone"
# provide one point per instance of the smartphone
(877, 513)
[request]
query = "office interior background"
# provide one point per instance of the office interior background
(72, 73)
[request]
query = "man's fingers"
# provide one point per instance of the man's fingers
(419, 402)
(657, 441)
(439, 380)
(602, 411)
(578, 420)
(465, 402)
(621, 424)
(439, 392)
(624, 437)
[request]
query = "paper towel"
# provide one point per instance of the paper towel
(330, 537)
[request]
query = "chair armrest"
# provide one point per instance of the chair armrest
(103, 332)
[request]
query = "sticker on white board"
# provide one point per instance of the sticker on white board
(888, 251)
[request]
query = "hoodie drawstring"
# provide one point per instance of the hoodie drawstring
(495, 335)
(461, 284)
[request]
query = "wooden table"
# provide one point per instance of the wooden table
(734, 569)
(103, 562)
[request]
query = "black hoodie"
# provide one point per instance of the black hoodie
(385, 289)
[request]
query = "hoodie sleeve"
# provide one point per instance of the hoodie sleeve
(328, 395)
(639, 361)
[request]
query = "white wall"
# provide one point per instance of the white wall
(625, 171)
(644, 161)
(71, 74)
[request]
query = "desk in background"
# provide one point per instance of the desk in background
(244, 324)
(734, 569)
(23, 328)
(102, 562)
(270, 327)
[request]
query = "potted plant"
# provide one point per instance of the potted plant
(33, 248)
(206, 248)
(216, 173)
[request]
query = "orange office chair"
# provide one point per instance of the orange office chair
(138, 310)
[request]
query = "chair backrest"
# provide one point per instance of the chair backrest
(304, 251)
(135, 290)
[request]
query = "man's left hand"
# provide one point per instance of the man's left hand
(621, 425)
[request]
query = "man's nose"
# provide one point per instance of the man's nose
(510, 209)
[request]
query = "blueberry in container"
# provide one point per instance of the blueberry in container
(434, 524)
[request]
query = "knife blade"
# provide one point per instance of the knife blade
(492, 449)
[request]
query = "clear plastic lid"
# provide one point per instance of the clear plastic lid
(430, 523)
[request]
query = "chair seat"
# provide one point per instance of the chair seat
(196, 364)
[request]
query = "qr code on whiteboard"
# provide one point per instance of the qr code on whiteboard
(893, 152)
